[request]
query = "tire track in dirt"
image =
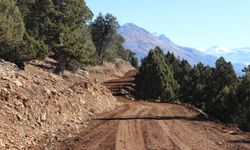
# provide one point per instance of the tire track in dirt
(156, 139)
(97, 130)
(180, 134)
(208, 133)
(129, 134)
(144, 125)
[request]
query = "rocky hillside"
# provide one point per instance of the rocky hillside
(36, 104)
(141, 41)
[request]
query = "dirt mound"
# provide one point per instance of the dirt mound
(124, 85)
(36, 102)
(109, 71)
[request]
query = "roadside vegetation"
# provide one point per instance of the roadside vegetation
(216, 90)
(61, 29)
(66, 31)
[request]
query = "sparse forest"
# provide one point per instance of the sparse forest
(63, 30)
(216, 90)
(66, 31)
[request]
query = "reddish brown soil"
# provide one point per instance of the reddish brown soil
(137, 125)
(145, 125)
(124, 83)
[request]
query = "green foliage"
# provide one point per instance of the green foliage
(115, 49)
(224, 106)
(105, 37)
(215, 90)
(155, 79)
(107, 41)
(11, 23)
(181, 72)
(197, 85)
(222, 83)
(16, 44)
(211, 89)
(243, 95)
(224, 74)
(133, 59)
(62, 26)
(27, 49)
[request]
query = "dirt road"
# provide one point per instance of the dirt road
(143, 125)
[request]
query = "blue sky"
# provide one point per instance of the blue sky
(192, 23)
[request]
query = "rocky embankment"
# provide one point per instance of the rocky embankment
(36, 103)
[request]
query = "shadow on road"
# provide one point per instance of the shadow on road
(240, 141)
(195, 118)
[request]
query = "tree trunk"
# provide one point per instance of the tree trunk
(61, 60)
(101, 56)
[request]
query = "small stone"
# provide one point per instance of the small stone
(22, 75)
(47, 91)
(18, 83)
(177, 102)
(37, 82)
(2, 144)
(4, 94)
(25, 99)
(19, 117)
(43, 117)
(70, 92)
(220, 143)
(92, 110)
(82, 101)
(9, 86)
(6, 78)
(232, 132)
(96, 80)
(54, 92)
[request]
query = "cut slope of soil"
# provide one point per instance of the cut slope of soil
(123, 85)
(36, 103)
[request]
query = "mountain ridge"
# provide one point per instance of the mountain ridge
(141, 41)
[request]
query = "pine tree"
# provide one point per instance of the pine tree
(243, 96)
(134, 61)
(222, 84)
(115, 49)
(104, 35)
(62, 26)
(224, 74)
(15, 44)
(155, 79)
(11, 23)
(196, 88)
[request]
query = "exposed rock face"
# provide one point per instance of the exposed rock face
(35, 102)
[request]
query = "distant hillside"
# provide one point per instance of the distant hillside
(141, 41)
(238, 56)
